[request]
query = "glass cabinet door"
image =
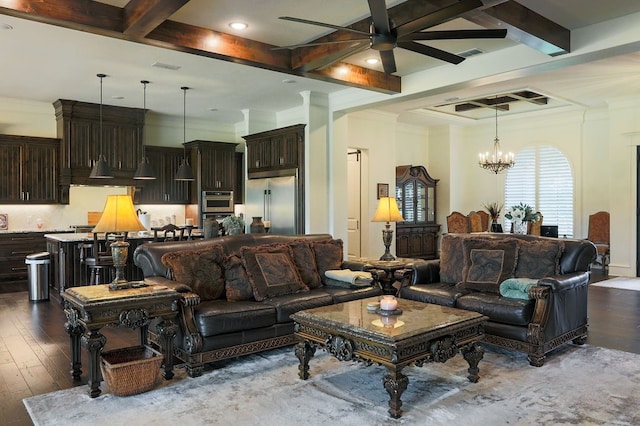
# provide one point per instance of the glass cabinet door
(431, 202)
(408, 210)
(421, 202)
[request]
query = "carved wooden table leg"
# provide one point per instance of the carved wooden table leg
(473, 353)
(166, 332)
(94, 342)
(304, 351)
(74, 329)
(395, 383)
(144, 334)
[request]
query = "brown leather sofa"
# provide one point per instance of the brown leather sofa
(228, 325)
(553, 309)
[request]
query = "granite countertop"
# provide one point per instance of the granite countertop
(82, 236)
(27, 231)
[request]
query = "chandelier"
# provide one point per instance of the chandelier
(496, 162)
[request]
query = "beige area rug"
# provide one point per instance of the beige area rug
(583, 385)
(624, 283)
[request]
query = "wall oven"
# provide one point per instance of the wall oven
(217, 202)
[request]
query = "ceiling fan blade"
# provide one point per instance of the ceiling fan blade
(294, 46)
(388, 61)
(330, 59)
(455, 35)
(438, 17)
(379, 16)
(322, 24)
(431, 51)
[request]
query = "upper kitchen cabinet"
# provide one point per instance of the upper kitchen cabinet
(78, 126)
(29, 170)
(165, 189)
(274, 150)
(214, 164)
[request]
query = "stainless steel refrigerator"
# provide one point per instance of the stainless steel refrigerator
(273, 199)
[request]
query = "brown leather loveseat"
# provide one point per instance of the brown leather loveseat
(238, 291)
(547, 305)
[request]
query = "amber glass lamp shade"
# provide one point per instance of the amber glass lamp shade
(387, 211)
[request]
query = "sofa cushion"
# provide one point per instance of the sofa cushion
(487, 263)
(328, 256)
(236, 280)
(220, 317)
(499, 309)
(199, 269)
(305, 261)
(539, 259)
(451, 259)
(271, 271)
(291, 303)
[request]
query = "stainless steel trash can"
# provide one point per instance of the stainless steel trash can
(38, 273)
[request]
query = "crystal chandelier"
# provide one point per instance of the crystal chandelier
(496, 162)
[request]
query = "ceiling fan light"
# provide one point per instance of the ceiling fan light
(372, 61)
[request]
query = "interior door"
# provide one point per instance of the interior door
(353, 214)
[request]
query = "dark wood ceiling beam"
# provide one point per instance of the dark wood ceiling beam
(143, 16)
(525, 26)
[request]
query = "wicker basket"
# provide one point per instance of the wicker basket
(132, 370)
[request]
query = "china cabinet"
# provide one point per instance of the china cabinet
(417, 236)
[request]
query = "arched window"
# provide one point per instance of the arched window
(542, 178)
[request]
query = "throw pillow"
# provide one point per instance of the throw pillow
(487, 263)
(271, 271)
(328, 256)
(451, 259)
(199, 269)
(305, 262)
(237, 283)
(517, 288)
(539, 259)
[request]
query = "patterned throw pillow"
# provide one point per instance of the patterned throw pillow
(487, 263)
(539, 259)
(199, 269)
(328, 256)
(237, 283)
(305, 262)
(451, 259)
(271, 271)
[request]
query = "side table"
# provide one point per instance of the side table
(90, 308)
(385, 270)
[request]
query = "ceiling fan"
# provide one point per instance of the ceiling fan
(384, 37)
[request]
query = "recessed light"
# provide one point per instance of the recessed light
(6, 27)
(343, 70)
(238, 25)
(372, 61)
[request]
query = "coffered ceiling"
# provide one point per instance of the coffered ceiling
(54, 49)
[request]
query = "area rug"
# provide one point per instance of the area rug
(623, 283)
(583, 385)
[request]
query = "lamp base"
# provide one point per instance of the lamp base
(119, 252)
(387, 237)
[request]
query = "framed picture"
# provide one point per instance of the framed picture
(4, 221)
(383, 190)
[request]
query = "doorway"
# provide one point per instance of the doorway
(354, 203)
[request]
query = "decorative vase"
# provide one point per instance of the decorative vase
(495, 226)
(257, 226)
(519, 227)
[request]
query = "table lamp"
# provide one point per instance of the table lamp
(119, 216)
(387, 212)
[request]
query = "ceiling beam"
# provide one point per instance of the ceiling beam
(143, 16)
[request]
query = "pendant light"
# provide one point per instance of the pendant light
(185, 173)
(496, 162)
(144, 170)
(101, 169)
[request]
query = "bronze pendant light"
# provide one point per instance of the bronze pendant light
(101, 169)
(144, 170)
(185, 173)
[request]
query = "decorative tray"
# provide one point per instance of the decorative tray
(388, 313)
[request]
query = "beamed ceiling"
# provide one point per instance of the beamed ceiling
(150, 22)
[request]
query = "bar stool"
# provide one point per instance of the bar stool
(100, 263)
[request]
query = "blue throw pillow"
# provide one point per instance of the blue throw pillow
(517, 288)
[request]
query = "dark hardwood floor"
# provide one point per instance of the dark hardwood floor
(35, 354)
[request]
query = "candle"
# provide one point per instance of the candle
(189, 221)
(388, 303)
(267, 224)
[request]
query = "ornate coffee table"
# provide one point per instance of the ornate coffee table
(422, 333)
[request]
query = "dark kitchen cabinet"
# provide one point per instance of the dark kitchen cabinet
(29, 170)
(417, 236)
(14, 247)
(164, 189)
(214, 164)
(279, 149)
(78, 126)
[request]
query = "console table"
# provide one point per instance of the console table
(90, 308)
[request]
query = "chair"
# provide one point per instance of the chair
(100, 263)
(599, 235)
(475, 222)
(533, 228)
(169, 232)
(485, 219)
(457, 223)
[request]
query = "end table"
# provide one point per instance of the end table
(89, 308)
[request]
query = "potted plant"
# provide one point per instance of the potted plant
(520, 214)
(233, 224)
(494, 210)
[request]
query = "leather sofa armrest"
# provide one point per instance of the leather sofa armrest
(176, 285)
(565, 282)
(427, 272)
(356, 265)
